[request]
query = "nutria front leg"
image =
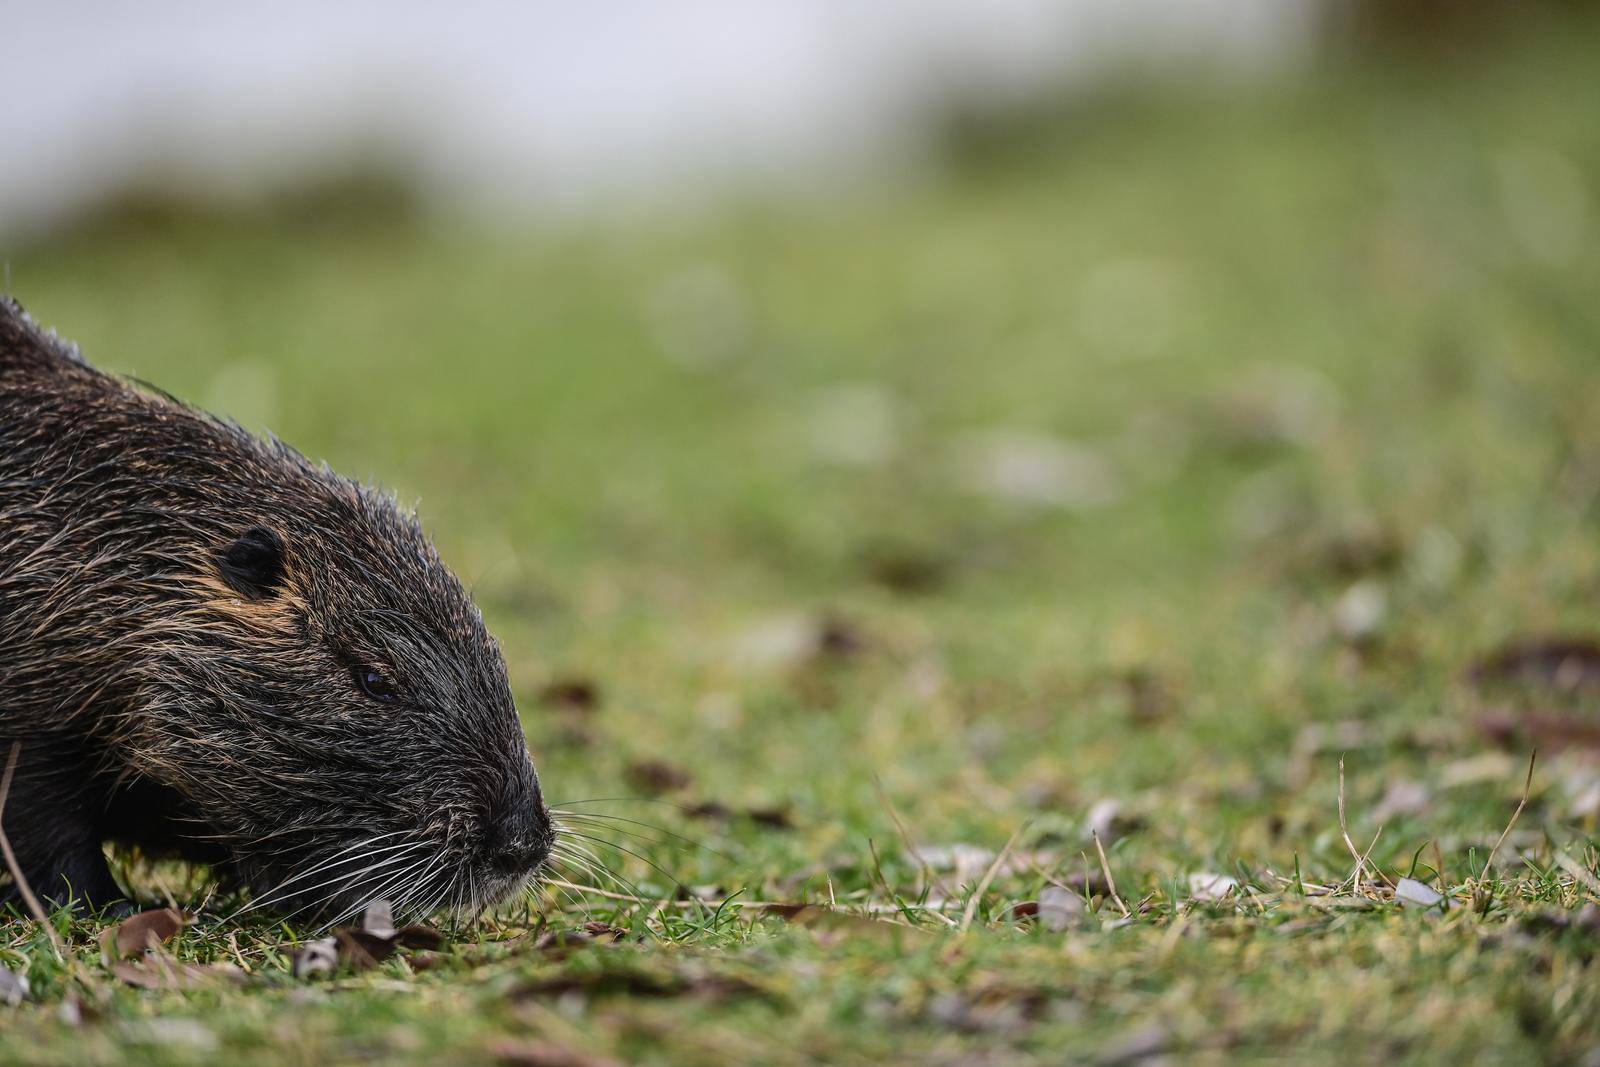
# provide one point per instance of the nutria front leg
(55, 842)
(68, 872)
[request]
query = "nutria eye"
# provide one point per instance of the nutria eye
(373, 683)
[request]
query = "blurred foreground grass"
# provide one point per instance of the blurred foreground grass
(1154, 456)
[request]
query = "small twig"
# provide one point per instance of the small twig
(1105, 869)
(23, 888)
(988, 877)
(1527, 787)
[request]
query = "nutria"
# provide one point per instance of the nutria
(212, 647)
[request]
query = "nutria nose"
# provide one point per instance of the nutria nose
(523, 840)
(517, 858)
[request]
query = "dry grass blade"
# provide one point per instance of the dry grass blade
(1111, 883)
(988, 877)
(1527, 787)
(1344, 830)
(26, 891)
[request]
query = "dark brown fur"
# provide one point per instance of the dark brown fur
(187, 614)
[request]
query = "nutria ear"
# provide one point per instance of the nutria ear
(253, 564)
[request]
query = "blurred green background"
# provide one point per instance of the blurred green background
(1129, 438)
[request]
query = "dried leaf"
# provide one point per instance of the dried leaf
(577, 695)
(359, 950)
(771, 818)
(140, 933)
(419, 937)
(643, 981)
(904, 569)
(654, 777)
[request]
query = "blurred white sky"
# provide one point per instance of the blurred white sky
(539, 105)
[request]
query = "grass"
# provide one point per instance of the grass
(1329, 357)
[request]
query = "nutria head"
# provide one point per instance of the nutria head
(326, 697)
(212, 643)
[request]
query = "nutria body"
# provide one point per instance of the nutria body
(212, 647)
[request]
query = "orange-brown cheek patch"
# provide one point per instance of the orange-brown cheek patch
(217, 602)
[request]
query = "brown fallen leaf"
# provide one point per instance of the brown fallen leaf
(140, 933)
(643, 982)
(905, 569)
(529, 1053)
(574, 694)
(772, 818)
(654, 777)
(420, 938)
(358, 948)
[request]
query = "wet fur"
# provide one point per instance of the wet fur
(161, 700)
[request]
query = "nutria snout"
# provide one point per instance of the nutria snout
(214, 648)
